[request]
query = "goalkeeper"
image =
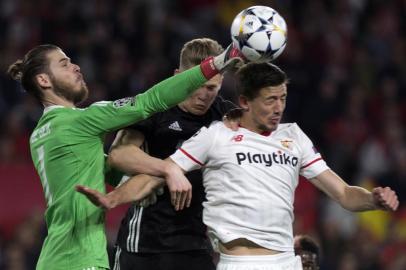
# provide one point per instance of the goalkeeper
(67, 148)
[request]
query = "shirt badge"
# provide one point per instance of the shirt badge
(286, 143)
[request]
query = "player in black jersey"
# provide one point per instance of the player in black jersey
(158, 237)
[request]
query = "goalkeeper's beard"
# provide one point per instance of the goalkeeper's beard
(65, 90)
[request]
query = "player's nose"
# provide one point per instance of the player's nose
(76, 68)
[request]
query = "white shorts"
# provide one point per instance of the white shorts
(282, 261)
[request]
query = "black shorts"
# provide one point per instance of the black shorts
(185, 260)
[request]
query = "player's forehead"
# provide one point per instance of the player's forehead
(215, 81)
(278, 91)
(56, 56)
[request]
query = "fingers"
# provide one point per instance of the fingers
(386, 198)
(178, 199)
(86, 191)
(97, 198)
(181, 197)
(189, 198)
(174, 195)
(179, 187)
(232, 64)
(93, 195)
(81, 189)
(180, 202)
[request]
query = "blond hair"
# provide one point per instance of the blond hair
(196, 50)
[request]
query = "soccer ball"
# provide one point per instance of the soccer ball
(260, 33)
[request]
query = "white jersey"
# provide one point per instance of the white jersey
(250, 180)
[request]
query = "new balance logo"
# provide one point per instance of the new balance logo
(238, 138)
(175, 126)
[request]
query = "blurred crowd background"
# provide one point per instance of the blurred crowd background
(347, 64)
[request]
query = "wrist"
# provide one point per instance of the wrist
(208, 68)
(168, 169)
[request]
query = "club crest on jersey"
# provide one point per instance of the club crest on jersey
(267, 159)
(123, 101)
(286, 143)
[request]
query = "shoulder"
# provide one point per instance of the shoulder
(214, 128)
(217, 125)
(290, 129)
(102, 103)
(220, 131)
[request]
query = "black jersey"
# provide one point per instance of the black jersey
(159, 228)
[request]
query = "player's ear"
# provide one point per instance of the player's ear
(243, 102)
(176, 71)
(43, 80)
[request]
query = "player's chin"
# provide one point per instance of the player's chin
(199, 110)
(273, 124)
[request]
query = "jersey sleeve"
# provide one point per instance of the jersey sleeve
(106, 116)
(312, 163)
(194, 152)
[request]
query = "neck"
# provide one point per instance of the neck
(56, 100)
(248, 123)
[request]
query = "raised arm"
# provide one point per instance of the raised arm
(355, 198)
(106, 116)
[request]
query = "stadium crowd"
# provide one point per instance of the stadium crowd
(347, 66)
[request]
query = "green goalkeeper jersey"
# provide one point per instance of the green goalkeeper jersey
(67, 149)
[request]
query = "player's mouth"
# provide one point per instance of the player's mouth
(200, 107)
(275, 120)
(80, 77)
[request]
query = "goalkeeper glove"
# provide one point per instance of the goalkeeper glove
(230, 59)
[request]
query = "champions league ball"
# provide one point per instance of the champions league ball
(260, 33)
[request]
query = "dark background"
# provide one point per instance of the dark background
(347, 64)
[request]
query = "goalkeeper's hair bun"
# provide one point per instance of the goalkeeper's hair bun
(33, 63)
(16, 70)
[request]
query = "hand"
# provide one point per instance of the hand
(232, 118)
(179, 186)
(97, 198)
(231, 59)
(385, 198)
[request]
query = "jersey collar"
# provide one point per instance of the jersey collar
(50, 108)
(263, 133)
